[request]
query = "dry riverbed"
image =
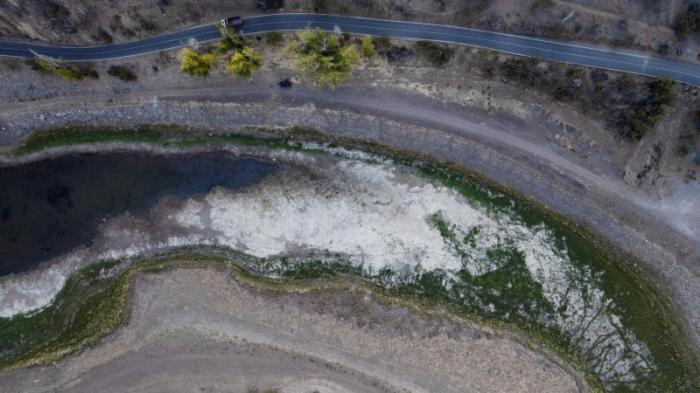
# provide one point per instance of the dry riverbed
(197, 330)
(466, 245)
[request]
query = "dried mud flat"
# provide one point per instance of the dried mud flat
(198, 330)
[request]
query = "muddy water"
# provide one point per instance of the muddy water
(49, 207)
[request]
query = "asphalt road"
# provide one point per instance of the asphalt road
(618, 60)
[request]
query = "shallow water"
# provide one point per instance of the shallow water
(49, 207)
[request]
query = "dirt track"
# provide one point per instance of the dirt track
(196, 330)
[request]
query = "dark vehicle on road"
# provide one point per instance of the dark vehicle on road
(234, 22)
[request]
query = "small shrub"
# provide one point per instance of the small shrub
(122, 73)
(470, 13)
(230, 40)
(367, 46)
(104, 36)
(696, 121)
(68, 71)
(274, 38)
(688, 135)
(398, 54)
(319, 6)
(245, 62)
(515, 69)
(267, 5)
(382, 44)
(195, 64)
(685, 148)
(688, 23)
(539, 5)
(436, 54)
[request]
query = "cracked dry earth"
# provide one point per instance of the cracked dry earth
(199, 330)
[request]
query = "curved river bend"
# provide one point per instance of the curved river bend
(424, 231)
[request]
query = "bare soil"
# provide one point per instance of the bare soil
(197, 330)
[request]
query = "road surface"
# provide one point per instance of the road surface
(618, 60)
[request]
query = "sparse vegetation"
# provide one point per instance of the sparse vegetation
(438, 55)
(66, 70)
(104, 36)
(538, 5)
(122, 73)
(319, 6)
(630, 108)
(382, 44)
(274, 38)
(230, 40)
(471, 12)
(644, 107)
(58, 16)
(196, 64)
(322, 57)
(245, 62)
(688, 23)
(267, 5)
(687, 136)
(686, 147)
(367, 46)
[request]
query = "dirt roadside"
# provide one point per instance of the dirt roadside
(196, 329)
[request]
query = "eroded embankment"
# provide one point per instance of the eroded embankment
(433, 233)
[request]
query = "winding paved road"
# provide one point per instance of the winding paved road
(618, 60)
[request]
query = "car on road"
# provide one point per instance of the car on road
(234, 22)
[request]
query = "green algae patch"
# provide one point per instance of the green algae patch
(92, 303)
(41, 140)
(87, 308)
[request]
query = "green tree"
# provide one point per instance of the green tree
(195, 64)
(367, 46)
(230, 40)
(322, 57)
(245, 62)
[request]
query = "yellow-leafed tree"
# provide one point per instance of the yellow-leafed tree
(195, 64)
(245, 62)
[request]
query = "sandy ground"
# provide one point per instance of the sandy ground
(196, 330)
